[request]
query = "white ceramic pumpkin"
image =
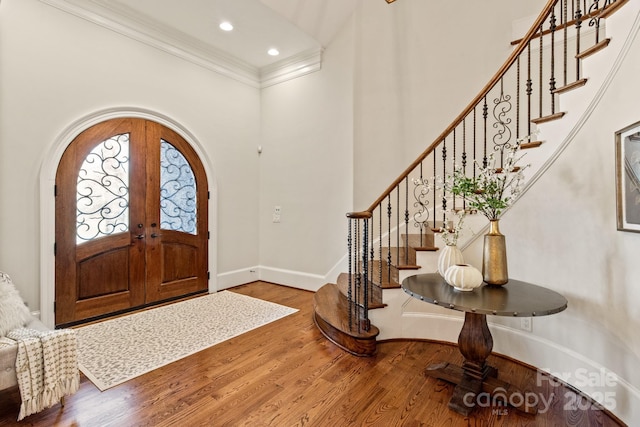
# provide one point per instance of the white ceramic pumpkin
(463, 277)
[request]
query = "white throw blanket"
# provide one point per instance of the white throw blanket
(46, 367)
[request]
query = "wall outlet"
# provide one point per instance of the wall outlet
(276, 213)
(526, 324)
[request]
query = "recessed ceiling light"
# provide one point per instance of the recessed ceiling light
(273, 51)
(226, 26)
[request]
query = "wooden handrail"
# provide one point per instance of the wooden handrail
(485, 90)
(603, 13)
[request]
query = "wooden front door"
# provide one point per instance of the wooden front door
(131, 220)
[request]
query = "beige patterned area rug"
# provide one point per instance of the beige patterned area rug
(117, 350)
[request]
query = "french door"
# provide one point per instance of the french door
(131, 220)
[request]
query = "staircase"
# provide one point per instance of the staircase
(397, 236)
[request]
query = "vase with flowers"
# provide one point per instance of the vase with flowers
(494, 186)
(449, 232)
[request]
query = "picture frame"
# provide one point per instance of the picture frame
(628, 178)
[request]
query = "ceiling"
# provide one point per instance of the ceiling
(299, 29)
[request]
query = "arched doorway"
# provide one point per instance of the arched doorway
(131, 215)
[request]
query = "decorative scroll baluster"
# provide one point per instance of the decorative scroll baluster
(502, 138)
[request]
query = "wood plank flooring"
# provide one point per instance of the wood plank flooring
(287, 374)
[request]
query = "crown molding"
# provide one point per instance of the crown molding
(126, 22)
(291, 68)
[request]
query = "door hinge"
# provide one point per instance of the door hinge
(208, 275)
(55, 191)
(54, 306)
(208, 195)
(55, 248)
(208, 235)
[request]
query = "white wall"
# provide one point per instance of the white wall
(562, 234)
(418, 64)
(56, 69)
(305, 168)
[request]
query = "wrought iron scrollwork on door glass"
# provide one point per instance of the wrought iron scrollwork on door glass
(102, 199)
(177, 191)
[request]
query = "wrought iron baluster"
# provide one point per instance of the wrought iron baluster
(464, 155)
(540, 75)
(529, 88)
(485, 114)
(578, 18)
(552, 80)
(352, 223)
(565, 41)
(502, 107)
(594, 21)
(475, 141)
(518, 98)
(435, 202)
(397, 224)
(357, 251)
(380, 243)
(444, 174)
(453, 165)
(371, 256)
(389, 213)
(406, 221)
(364, 322)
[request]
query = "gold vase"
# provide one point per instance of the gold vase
(494, 256)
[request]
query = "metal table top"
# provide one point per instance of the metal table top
(516, 298)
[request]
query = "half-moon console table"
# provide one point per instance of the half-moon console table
(515, 299)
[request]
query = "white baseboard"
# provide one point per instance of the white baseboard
(295, 279)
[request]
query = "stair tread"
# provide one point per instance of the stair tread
(408, 267)
(333, 307)
(593, 49)
(571, 86)
(532, 144)
(374, 296)
(548, 118)
(331, 316)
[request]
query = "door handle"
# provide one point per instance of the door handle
(154, 235)
(140, 236)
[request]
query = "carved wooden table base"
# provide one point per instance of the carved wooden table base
(476, 376)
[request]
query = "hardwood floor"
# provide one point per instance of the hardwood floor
(287, 374)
